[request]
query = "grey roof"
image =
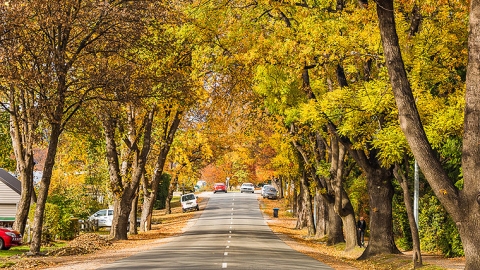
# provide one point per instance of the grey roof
(10, 181)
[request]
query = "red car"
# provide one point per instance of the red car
(219, 187)
(9, 238)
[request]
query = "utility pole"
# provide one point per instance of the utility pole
(415, 194)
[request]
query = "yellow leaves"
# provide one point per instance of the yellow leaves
(443, 191)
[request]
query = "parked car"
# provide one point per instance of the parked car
(104, 217)
(264, 188)
(219, 187)
(270, 192)
(189, 202)
(9, 238)
(247, 187)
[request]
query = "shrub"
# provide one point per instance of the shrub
(437, 230)
(162, 191)
(51, 221)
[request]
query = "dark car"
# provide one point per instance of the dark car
(270, 192)
(9, 238)
(219, 187)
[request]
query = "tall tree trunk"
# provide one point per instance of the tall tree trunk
(308, 206)
(23, 208)
(150, 188)
(415, 21)
(402, 179)
(121, 207)
(133, 215)
(45, 185)
(278, 184)
(293, 191)
(300, 208)
(321, 212)
(329, 223)
(343, 207)
(171, 189)
(463, 205)
(335, 226)
(21, 133)
(380, 190)
(125, 191)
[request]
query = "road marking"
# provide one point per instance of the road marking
(228, 247)
(224, 265)
(226, 253)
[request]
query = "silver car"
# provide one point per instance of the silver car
(264, 188)
(247, 187)
(271, 193)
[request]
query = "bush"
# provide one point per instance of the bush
(162, 191)
(51, 221)
(437, 230)
(401, 224)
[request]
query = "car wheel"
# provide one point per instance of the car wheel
(2, 244)
(198, 208)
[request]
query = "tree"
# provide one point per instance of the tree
(48, 58)
(462, 204)
(127, 167)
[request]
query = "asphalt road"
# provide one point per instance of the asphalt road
(230, 233)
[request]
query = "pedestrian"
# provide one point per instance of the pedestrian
(361, 227)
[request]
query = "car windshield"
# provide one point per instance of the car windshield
(248, 184)
(188, 197)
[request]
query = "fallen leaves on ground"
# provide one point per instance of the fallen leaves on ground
(335, 256)
(83, 244)
(94, 248)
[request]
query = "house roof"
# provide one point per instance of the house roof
(10, 181)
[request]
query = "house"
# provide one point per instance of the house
(10, 190)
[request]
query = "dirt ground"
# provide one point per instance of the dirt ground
(174, 224)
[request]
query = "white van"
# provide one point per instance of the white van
(104, 217)
(189, 202)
